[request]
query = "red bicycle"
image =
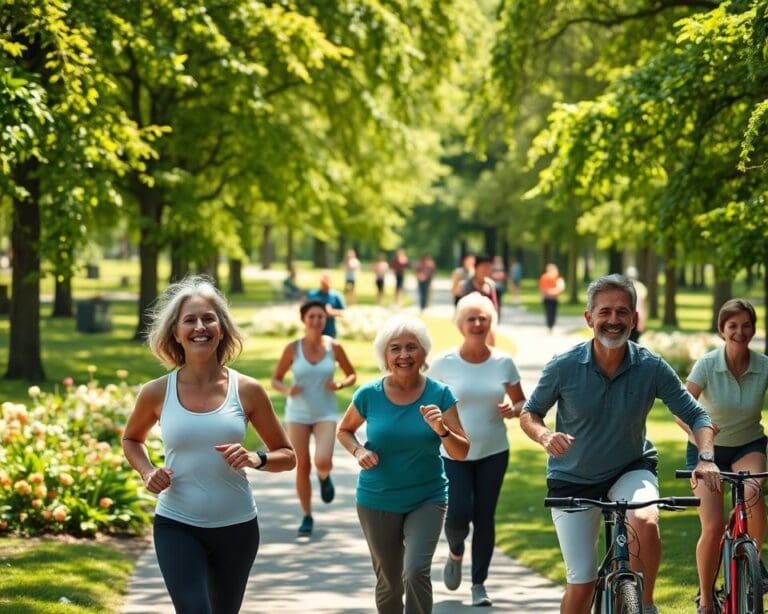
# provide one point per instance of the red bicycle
(742, 591)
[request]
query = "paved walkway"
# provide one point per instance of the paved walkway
(331, 572)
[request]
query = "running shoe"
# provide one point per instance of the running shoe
(452, 574)
(479, 597)
(305, 528)
(327, 491)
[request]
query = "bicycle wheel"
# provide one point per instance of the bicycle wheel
(627, 598)
(749, 592)
(597, 599)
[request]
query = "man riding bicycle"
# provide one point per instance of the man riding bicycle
(604, 390)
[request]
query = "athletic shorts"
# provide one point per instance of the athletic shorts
(578, 532)
(725, 456)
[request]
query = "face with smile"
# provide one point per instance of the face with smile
(475, 325)
(314, 319)
(611, 318)
(738, 330)
(198, 328)
(405, 356)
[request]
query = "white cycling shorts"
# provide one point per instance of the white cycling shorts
(578, 532)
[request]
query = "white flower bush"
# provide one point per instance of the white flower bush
(360, 322)
(680, 350)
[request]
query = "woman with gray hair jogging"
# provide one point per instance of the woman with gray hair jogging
(402, 490)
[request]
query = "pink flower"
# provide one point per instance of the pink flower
(37, 502)
(68, 381)
(105, 502)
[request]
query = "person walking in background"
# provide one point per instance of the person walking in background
(351, 266)
(486, 383)
(642, 295)
(730, 382)
(551, 286)
(499, 277)
(380, 268)
(461, 274)
(398, 265)
(482, 282)
(516, 279)
(206, 530)
(402, 489)
(311, 406)
(424, 270)
(291, 290)
(334, 304)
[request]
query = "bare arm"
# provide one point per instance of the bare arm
(343, 361)
(554, 443)
(285, 362)
(345, 433)
(145, 415)
(454, 439)
(512, 405)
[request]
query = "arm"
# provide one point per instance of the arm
(335, 309)
(533, 425)
(448, 427)
(285, 362)
(512, 405)
(345, 433)
(343, 361)
(695, 391)
(145, 415)
(260, 413)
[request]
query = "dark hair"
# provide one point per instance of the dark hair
(483, 259)
(734, 307)
(306, 306)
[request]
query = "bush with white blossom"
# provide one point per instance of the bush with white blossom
(62, 468)
(360, 322)
(680, 350)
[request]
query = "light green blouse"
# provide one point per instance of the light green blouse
(734, 405)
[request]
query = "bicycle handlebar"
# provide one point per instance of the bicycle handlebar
(578, 502)
(726, 476)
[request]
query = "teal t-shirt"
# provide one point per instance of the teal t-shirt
(410, 470)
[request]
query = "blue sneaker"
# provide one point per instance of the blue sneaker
(305, 529)
(327, 491)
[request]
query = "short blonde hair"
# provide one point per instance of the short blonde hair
(475, 301)
(164, 316)
(397, 326)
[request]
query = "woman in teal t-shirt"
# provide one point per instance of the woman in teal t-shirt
(402, 490)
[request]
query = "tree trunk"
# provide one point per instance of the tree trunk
(615, 261)
(573, 261)
(24, 351)
(236, 276)
(179, 263)
(320, 254)
(587, 272)
(652, 283)
(151, 206)
(490, 235)
(289, 249)
(670, 308)
(62, 298)
(267, 254)
(210, 268)
(722, 291)
(765, 302)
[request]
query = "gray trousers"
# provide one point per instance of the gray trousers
(402, 547)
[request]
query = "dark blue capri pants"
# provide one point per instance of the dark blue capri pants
(206, 569)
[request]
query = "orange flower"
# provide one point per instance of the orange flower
(105, 502)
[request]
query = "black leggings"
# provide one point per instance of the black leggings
(473, 490)
(206, 569)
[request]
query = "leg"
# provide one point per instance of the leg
(577, 534)
(299, 436)
(184, 564)
(421, 531)
(755, 463)
(642, 485)
(489, 476)
(233, 550)
(708, 546)
(384, 533)
(325, 438)
(460, 504)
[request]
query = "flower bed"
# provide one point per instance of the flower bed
(680, 350)
(62, 468)
(359, 322)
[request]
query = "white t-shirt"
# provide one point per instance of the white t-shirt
(479, 388)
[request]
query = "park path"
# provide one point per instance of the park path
(331, 571)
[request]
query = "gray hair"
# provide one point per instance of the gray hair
(475, 301)
(164, 316)
(611, 282)
(396, 326)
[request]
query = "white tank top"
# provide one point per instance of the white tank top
(315, 403)
(205, 491)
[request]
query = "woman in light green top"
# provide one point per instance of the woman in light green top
(730, 382)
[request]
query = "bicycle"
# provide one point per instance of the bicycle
(618, 588)
(742, 591)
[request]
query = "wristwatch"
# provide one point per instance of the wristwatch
(263, 458)
(707, 457)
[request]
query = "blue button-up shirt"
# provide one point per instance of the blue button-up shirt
(607, 415)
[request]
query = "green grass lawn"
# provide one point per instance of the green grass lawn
(94, 575)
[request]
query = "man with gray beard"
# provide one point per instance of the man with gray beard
(604, 389)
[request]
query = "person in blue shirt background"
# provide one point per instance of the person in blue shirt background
(334, 303)
(402, 490)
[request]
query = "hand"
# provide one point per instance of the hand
(709, 473)
(715, 429)
(332, 386)
(237, 456)
(295, 390)
(366, 458)
(507, 409)
(158, 479)
(557, 443)
(434, 418)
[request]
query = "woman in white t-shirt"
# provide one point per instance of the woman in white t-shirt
(487, 386)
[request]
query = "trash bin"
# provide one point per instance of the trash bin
(94, 316)
(92, 271)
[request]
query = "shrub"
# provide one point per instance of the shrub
(62, 469)
(681, 350)
(359, 322)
